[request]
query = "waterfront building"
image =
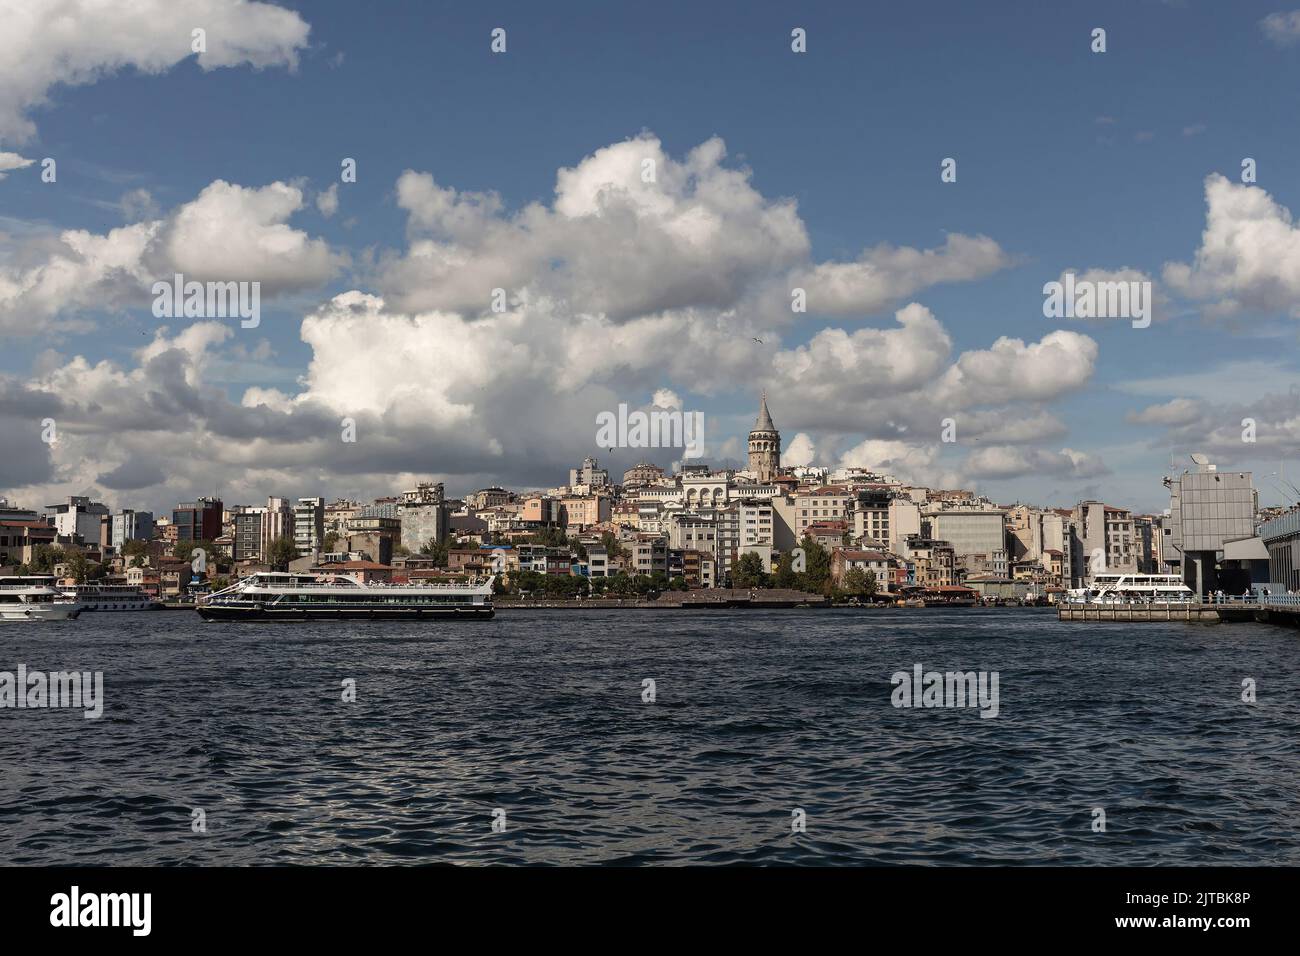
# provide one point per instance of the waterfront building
(878, 563)
(78, 516)
(1105, 540)
(756, 528)
(649, 554)
(764, 445)
(423, 513)
(934, 562)
(825, 503)
(374, 535)
(970, 529)
(308, 525)
(128, 525)
(19, 539)
(199, 520)
(1207, 508)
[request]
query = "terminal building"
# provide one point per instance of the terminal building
(1209, 536)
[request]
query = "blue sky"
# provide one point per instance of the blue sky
(1066, 159)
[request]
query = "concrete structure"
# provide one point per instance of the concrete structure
(589, 476)
(308, 525)
(80, 516)
(969, 531)
(1206, 509)
(1105, 540)
(199, 520)
(128, 525)
(423, 513)
(764, 445)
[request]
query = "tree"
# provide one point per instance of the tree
(816, 576)
(748, 571)
(281, 552)
(858, 583)
(331, 541)
(784, 576)
(438, 550)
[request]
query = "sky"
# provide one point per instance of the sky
(769, 170)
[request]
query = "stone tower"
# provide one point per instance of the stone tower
(764, 445)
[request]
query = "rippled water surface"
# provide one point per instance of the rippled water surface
(756, 713)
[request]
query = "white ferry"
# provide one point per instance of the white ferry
(1113, 588)
(110, 597)
(280, 596)
(34, 598)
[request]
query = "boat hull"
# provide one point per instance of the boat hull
(58, 612)
(211, 612)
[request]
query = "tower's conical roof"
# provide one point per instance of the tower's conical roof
(764, 423)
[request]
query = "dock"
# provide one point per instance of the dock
(1283, 609)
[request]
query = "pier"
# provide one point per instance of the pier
(1281, 609)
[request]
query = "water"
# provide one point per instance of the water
(757, 713)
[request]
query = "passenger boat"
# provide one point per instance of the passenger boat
(110, 597)
(34, 598)
(1114, 588)
(280, 596)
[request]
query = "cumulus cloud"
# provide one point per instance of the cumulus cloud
(51, 43)
(801, 451)
(11, 161)
(886, 274)
(1249, 256)
(1006, 461)
(622, 287)
(227, 233)
(633, 232)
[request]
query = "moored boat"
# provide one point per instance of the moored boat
(280, 596)
(110, 597)
(1128, 588)
(34, 598)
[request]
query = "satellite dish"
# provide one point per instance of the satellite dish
(1200, 459)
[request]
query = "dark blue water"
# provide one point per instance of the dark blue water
(757, 713)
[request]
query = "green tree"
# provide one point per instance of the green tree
(438, 550)
(858, 583)
(816, 577)
(748, 571)
(784, 576)
(331, 541)
(281, 552)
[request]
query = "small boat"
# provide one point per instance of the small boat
(281, 596)
(34, 598)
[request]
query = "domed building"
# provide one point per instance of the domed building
(764, 445)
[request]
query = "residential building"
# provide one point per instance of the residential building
(309, 525)
(199, 520)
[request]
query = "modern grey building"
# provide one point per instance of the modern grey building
(423, 512)
(128, 525)
(1207, 508)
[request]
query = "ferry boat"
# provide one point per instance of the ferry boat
(281, 596)
(34, 598)
(110, 597)
(1113, 588)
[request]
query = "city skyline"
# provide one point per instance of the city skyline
(925, 297)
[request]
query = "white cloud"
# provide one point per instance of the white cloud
(801, 451)
(1249, 255)
(328, 201)
(48, 43)
(227, 233)
(11, 161)
(1006, 461)
(1283, 28)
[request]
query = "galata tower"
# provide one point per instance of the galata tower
(764, 445)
